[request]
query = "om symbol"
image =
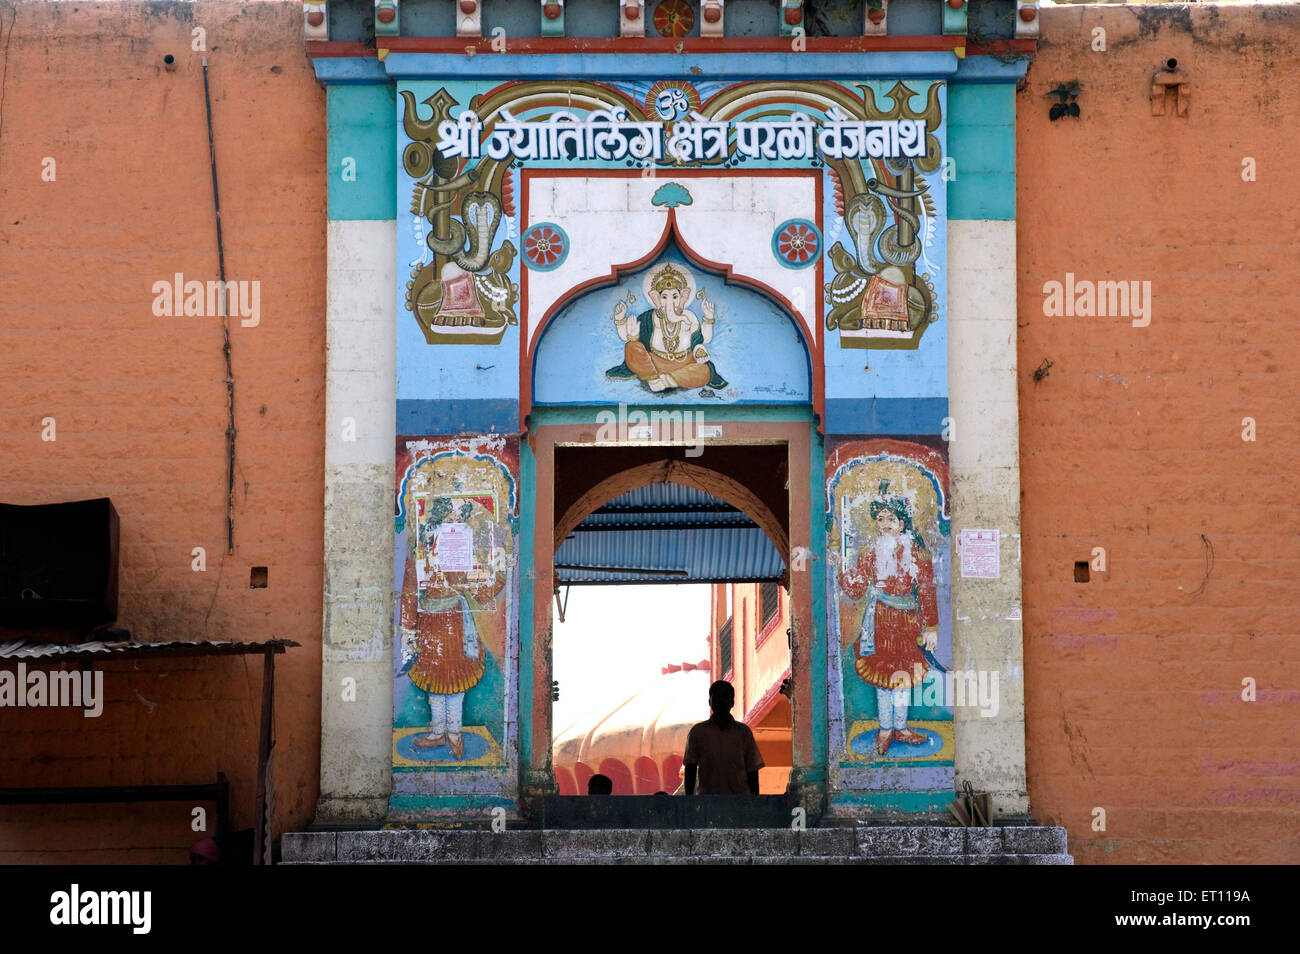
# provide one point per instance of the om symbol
(672, 104)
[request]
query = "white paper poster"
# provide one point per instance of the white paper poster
(454, 548)
(979, 554)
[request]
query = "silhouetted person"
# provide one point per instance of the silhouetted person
(600, 785)
(722, 750)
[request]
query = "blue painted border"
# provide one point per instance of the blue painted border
(692, 66)
(989, 69)
(885, 417)
(451, 417)
(925, 801)
(349, 70)
(717, 414)
(428, 807)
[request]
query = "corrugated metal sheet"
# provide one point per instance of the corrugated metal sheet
(665, 503)
(666, 533)
(33, 649)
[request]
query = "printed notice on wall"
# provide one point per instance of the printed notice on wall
(454, 551)
(979, 554)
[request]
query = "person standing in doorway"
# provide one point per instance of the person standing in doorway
(721, 752)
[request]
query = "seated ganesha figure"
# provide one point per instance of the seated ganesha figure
(666, 345)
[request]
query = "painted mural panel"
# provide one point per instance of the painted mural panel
(455, 560)
(889, 601)
(823, 198)
(885, 270)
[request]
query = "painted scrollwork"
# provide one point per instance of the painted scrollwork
(878, 298)
(464, 295)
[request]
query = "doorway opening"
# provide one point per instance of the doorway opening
(669, 572)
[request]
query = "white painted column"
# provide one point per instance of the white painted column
(360, 422)
(984, 456)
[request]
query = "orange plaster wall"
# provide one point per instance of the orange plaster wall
(140, 401)
(1133, 441)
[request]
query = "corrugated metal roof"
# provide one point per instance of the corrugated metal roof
(663, 504)
(666, 533)
(32, 649)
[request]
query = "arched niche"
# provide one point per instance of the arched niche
(759, 352)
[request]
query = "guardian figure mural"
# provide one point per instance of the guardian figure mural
(441, 645)
(900, 619)
(456, 614)
(890, 599)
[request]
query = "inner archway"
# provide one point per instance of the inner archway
(666, 586)
(574, 468)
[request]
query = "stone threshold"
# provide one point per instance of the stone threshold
(862, 845)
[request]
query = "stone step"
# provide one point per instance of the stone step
(664, 811)
(862, 845)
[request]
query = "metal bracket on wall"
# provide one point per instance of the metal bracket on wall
(561, 608)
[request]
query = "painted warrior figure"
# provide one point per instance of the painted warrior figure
(896, 576)
(666, 346)
(444, 656)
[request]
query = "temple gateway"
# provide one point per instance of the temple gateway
(564, 270)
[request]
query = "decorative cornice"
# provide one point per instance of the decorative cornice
(343, 64)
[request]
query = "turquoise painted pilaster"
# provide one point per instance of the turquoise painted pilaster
(361, 148)
(982, 143)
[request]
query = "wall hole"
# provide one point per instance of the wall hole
(257, 578)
